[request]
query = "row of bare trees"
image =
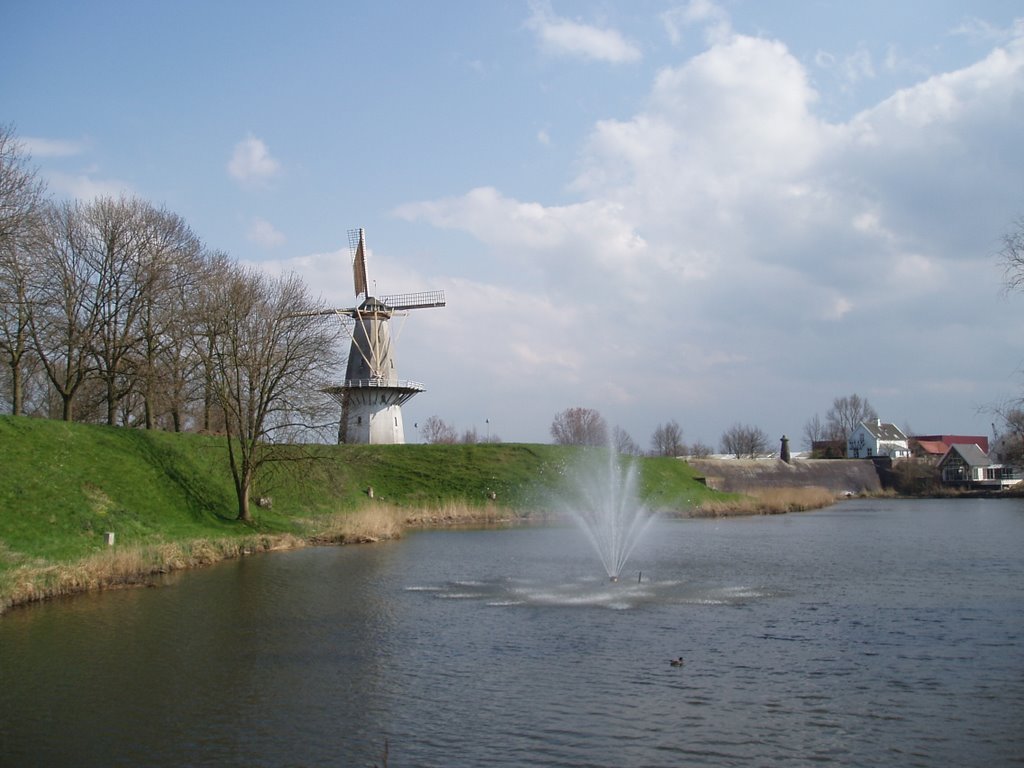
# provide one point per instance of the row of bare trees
(436, 430)
(114, 311)
(586, 426)
(841, 419)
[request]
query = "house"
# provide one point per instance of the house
(970, 467)
(928, 449)
(877, 438)
(828, 449)
(935, 446)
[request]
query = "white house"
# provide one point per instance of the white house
(876, 438)
(969, 466)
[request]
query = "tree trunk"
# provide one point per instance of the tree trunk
(17, 390)
(244, 513)
(242, 471)
(111, 403)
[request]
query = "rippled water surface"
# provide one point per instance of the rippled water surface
(871, 633)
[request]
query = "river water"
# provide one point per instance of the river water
(871, 633)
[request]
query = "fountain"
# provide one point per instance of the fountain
(603, 499)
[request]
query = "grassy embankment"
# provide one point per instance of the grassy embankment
(169, 500)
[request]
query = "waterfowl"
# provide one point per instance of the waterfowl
(677, 662)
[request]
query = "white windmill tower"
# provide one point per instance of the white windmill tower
(372, 395)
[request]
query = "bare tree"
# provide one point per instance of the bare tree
(742, 441)
(846, 414)
(21, 200)
(624, 443)
(63, 316)
(436, 430)
(1014, 434)
(667, 440)
(1009, 442)
(172, 266)
(123, 240)
(700, 450)
(814, 431)
(21, 191)
(218, 269)
(579, 426)
(1012, 256)
(271, 355)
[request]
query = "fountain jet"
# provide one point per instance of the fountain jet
(603, 499)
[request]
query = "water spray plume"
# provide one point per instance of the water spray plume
(603, 499)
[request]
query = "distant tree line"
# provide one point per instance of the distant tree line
(113, 311)
(436, 430)
(841, 420)
(586, 426)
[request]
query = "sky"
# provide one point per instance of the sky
(712, 213)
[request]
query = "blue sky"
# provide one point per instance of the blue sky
(707, 212)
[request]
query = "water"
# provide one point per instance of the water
(603, 499)
(872, 633)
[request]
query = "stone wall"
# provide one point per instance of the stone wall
(840, 476)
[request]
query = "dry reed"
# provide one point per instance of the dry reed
(457, 513)
(768, 501)
(126, 565)
(377, 522)
(381, 521)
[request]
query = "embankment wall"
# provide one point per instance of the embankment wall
(855, 476)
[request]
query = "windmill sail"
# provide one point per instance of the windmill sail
(357, 244)
(403, 301)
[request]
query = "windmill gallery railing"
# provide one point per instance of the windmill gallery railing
(383, 384)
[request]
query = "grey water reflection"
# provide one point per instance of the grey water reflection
(872, 633)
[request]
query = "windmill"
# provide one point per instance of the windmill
(372, 395)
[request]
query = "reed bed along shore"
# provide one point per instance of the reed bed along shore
(383, 521)
(125, 565)
(768, 501)
(128, 565)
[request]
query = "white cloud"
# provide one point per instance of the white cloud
(251, 162)
(85, 186)
(264, 234)
(952, 97)
(981, 31)
(727, 222)
(858, 66)
(824, 59)
(570, 38)
(44, 148)
(559, 248)
(713, 17)
(854, 67)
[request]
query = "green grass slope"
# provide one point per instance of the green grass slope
(63, 485)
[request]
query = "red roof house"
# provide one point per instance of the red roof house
(937, 445)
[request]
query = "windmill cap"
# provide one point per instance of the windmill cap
(372, 303)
